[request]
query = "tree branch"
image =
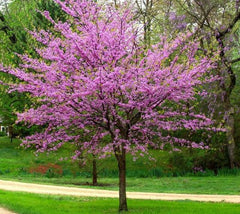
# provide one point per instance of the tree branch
(234, 60)
(221, 34)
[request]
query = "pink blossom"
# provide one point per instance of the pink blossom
(96, 89)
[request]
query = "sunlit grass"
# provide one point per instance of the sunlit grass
(25, 203)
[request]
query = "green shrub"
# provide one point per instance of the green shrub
(3, 134)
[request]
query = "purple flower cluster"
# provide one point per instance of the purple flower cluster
(178, 21)
(98, 88)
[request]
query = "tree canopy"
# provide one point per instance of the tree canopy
(95, 77)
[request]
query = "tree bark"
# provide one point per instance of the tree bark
(121, 158)
(229, 121)
(230, 138)
(94, 172)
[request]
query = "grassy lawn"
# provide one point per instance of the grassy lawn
(25, 203)
(15, 164)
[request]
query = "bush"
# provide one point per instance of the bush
(181, 162)
(3, 134)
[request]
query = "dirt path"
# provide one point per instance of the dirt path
(73, 191)
(4, 211)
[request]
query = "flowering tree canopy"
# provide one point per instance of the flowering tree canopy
(95, 78)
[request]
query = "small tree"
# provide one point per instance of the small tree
(97, 75)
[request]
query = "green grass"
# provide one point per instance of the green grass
(15, 163)
(26, 203)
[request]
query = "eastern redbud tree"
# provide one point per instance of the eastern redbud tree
(94, 77)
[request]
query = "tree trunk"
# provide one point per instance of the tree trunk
(230, 138)
(122, 181)
(10, 132)
(94, 171)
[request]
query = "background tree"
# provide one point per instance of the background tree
(215, 24)
(15, 21)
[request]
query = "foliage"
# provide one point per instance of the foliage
(2, 134)
(117, 86)
(20, 17)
